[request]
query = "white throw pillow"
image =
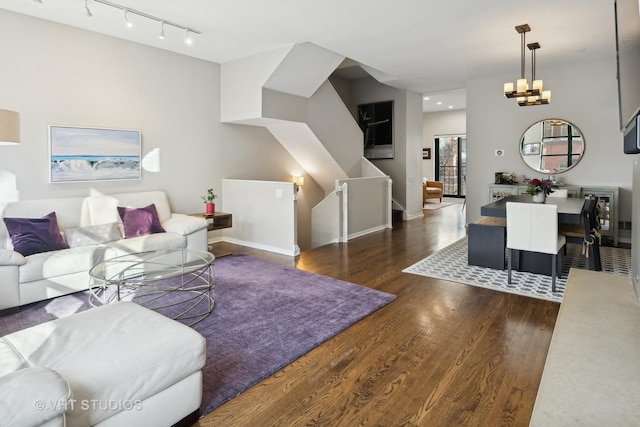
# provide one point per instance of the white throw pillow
(93, 235)
(103, 210)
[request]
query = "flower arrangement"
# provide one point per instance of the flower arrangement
(209, 197)
(537, 186)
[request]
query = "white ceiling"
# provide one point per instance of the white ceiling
(428, 46)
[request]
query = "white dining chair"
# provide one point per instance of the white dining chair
(533, 227)
(561, 193)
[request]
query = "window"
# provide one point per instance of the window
(562, 146)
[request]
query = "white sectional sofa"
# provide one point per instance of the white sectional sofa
(27, 279)
(112, 366)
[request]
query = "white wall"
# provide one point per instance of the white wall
(494, 121)
(438, 124)
(55, 74)
(244, 78)
(413, 154)
(265, 214)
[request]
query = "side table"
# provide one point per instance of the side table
(217, 221)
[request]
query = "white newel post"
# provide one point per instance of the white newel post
(390, 204)
(344, 212)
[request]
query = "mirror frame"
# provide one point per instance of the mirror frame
(535, 147)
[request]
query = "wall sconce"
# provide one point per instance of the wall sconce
(298, 181)
(151, 162)
(9, 127)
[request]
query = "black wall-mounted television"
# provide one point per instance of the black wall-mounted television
(628, 67)
(632, 136)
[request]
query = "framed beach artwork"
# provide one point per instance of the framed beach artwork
(79, 154)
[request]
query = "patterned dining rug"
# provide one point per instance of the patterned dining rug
(266, 316)
(450, 264)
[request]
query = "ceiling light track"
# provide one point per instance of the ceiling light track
(128, 11)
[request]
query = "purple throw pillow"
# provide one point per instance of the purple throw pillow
(34, 235)
(140, 222)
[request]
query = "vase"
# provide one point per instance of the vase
(539, 198)
(211, 208)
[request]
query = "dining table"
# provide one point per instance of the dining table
(569, 208)
(569, 212)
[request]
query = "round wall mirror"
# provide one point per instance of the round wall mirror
(552, 146)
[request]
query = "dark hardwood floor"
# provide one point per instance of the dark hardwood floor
(442, 354)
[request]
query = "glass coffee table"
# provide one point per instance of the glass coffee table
(178, 283)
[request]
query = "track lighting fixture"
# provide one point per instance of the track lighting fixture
(128, 11)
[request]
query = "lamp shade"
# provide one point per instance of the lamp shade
(9, 127)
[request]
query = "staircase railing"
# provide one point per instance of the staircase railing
(358, 206)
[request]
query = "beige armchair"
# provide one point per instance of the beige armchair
(431, 190)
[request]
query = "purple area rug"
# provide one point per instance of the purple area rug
(266, 316)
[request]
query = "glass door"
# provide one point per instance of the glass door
(451, 158)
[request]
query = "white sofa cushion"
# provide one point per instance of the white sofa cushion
(66, 261)
(120, 353)
(184, 224)
(48, 265)
(151, 242)
(11, 257)
(33, 396)
(10, 360)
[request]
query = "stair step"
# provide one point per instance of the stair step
(396, 216)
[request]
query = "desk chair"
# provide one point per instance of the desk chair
(533, 227)
(560, 193)
(586, 233)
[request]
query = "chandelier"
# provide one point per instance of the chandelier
(523, 93)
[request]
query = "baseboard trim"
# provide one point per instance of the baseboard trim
(295, 251)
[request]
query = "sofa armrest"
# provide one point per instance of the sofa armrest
(33, 396)
(184, 224)
(9, 257)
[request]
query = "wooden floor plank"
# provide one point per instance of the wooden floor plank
(442, 354)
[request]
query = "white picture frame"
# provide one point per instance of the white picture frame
(85, 154)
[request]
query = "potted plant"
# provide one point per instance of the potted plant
(539, 188)
(208, 200)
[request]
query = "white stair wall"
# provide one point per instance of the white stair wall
(288, 92)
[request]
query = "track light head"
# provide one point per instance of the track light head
(188, 40)
(128, 23)
(87, 11)
(161, 36)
